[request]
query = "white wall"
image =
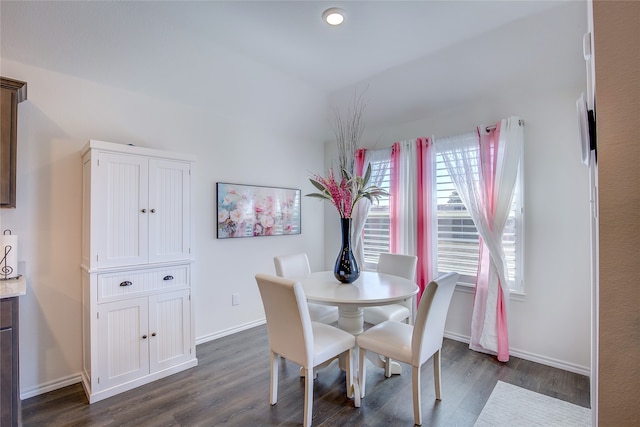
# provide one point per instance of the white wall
(275, 142)
(551, 323)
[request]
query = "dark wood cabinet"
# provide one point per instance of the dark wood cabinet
(12, 92)
(9, 370)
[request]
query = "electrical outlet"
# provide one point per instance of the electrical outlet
(235, 299)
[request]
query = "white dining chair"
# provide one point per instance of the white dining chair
(413, 344)
(398, 265)
(294, 336)
(297, 266)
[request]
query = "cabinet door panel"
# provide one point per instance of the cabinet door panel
(7, 148)
(169, 200)
(171, 324)
(9, 366)
(123, 348)
(12, 92)
(123, 210)
(6, 378)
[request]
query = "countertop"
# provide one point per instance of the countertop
(13, 287)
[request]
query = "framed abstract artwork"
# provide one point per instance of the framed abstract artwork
(254, 210)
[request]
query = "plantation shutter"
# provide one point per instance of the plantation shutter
(376, 228)
(458, 239)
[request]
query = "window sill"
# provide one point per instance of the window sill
(470, 289)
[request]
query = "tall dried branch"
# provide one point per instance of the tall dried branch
(348, 131)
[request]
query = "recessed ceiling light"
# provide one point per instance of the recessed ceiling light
(333, 16)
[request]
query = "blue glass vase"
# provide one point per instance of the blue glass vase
(346, 269)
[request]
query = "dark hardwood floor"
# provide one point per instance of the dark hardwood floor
(230, 387)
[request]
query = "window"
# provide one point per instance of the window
(376, 228)
(457, 245)
(457, 238)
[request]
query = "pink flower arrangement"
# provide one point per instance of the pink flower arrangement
(345, 194)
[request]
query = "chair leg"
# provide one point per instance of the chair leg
(273, 392)
(436, 374)
(315, 373)
(417, 399)
(308, 397)
(349, 373)
(362, 371)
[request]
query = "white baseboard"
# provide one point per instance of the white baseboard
(532, 357)
(50, 386)
(230, 331)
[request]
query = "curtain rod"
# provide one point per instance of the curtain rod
(489, 128)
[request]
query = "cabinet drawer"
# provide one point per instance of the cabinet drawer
(121, 285)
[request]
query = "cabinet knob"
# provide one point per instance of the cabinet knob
(153, 334)
(152, 211)
(143, 210)
(167, 277)
(144, 337)
(126, 283)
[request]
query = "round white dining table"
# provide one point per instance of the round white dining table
(370, 289)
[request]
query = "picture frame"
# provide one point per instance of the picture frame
(255, 210)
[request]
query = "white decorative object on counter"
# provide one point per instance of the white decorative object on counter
(8, 255)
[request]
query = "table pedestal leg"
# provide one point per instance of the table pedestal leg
(394, 368)
(351, 319)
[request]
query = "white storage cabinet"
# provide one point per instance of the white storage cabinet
(136, 281)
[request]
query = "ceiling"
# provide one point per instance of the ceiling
(109, 41)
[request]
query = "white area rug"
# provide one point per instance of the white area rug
(514, 406)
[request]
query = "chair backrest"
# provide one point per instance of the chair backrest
(398, 265)
(288, 322)
(428, 330)
(292, 266)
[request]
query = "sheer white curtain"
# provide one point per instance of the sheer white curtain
(361, 211)
(404, 198)
(484, 168)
